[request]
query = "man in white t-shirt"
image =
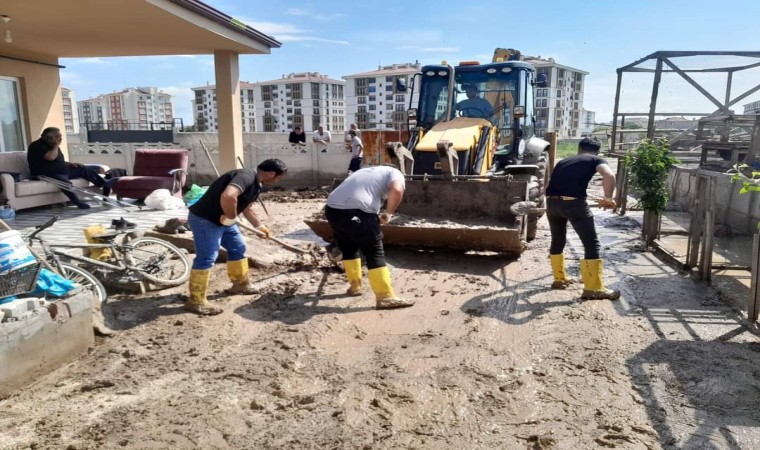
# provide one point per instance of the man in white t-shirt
(348, 136)
(357, 152)
(353, 211)
(321, 138)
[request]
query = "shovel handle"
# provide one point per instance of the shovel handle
(282, 244)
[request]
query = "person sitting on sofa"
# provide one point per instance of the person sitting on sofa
(46, 159)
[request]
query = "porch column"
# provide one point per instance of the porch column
(230, 132)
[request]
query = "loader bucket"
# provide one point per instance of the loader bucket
(462, 214)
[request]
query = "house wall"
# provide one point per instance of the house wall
(41, 102)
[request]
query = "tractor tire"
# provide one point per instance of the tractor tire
(543, 170)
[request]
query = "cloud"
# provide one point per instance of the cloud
(73, 79)
(182, 97)
(296, 38)
(286, 32)
(297, 12)
(300, 12)
(91, 61)
(432, 49)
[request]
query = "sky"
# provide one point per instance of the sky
(338, 38)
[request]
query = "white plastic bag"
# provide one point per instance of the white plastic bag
(163, 199)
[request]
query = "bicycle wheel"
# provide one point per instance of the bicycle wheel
(84, 279)
(159, 261)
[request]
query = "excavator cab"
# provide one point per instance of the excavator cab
(476, 110)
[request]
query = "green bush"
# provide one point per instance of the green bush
(647, 167)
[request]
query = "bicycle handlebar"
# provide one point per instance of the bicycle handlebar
(39, 228)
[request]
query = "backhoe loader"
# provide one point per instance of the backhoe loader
(473, 162)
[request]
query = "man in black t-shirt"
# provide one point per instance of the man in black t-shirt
(45, 158)
(212, 219)
(566, 202)
(297, 137)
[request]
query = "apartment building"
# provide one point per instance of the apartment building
(304, 99)
(372, 98)
(139, 108)
(205, 110)
(559, 105)
(70, 111)
(588, 122)
(752, 108)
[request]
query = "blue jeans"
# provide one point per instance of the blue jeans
(208, 236)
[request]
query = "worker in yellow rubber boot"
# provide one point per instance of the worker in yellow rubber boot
(353, 211)
(566, 202)
(212, 220)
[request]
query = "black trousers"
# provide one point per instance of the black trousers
(85, 172)
(559, 213)
(355, 164)
(357, 233)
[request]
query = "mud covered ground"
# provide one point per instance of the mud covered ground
(488, 358)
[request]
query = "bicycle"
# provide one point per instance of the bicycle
(133, 259)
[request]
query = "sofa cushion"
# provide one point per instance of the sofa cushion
(34, 187)
(141, 186)
(14, 162)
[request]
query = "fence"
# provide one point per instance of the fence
(690, 99)
(306, 165)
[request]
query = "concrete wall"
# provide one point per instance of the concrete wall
(43, 340)
(740, 211)
(41, 96)
(306, 166)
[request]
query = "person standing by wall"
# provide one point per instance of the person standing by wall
(321, 138)
(348, 136)
(353, 211)
(566, 202)
(357, 152)
(212, 219)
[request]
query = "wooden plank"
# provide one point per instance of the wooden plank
(653, 100)
(754, 293)
(615, 112)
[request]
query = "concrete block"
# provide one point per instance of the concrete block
(21, 307)
(36, 344)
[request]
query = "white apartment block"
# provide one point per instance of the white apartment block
(752, 108)
(372, 100)
(70, 111)
(305, 99)
(140, 108)
(588, 121)
(559, 105)
(206, 113)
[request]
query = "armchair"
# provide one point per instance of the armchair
(154, 169)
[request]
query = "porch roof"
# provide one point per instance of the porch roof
(51, 29)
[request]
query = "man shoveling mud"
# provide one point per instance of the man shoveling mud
(566, 202)
(353, 213)
(212, 219)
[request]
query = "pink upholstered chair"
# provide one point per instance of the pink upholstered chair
(154, 169)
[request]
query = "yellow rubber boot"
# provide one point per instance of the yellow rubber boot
(561, 280)
(353, 270)
(380, 281)
(593, 287)
(238, 273)
(197, 302)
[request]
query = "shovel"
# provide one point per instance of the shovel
(279, 242)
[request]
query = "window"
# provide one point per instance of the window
(11, 131)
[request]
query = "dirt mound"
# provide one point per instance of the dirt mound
(283, 196)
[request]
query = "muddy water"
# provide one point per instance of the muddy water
(489, 357)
